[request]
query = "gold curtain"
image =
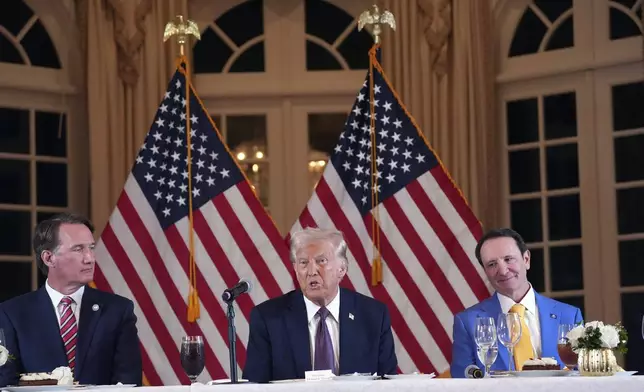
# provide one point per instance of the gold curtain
(128, 69)
(441, 61)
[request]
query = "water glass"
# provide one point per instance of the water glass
(487, 356)
(485, 332)
(508, 330)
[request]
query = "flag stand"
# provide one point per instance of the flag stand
(373, 20)
(182, 30)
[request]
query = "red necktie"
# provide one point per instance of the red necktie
(68, 330)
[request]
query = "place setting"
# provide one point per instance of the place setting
(585, 349)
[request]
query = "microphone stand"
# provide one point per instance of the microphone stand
(232, 339)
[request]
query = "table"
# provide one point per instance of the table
(550, 384)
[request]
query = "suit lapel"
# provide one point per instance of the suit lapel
(549, 323)
(492, 308)
(348, 331)
(49, 335)
(298, 333)
(87, 325)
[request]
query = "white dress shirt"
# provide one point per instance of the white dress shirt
(332, 324)
(56, 296)
(531, 317)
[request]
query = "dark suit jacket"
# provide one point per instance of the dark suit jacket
(279, 347)
(551, 314)
(107, 348)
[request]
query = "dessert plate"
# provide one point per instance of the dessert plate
(35, 388)
(356, 377)
(410, 376)
(542, 373)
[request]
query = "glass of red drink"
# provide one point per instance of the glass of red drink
(567, 355)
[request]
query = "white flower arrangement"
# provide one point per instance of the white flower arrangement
(596, 335)
(4, 355)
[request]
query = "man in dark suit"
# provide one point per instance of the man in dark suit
(65, 322)
(320, 326)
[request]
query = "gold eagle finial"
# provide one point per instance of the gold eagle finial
(182, 29)
(376, 19)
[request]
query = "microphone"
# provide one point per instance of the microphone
(473, 371)
(244, 286)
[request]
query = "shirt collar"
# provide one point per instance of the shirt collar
(56, 296)
(333, 307)
(529, 301)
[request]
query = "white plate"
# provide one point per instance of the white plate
(542, 373)
(411, 376)
(625, 373)
(355, 377)
(35, 388)
(287, 381)
(224, 381)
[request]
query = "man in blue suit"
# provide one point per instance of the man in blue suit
(320, 326)
(65, 322)
(506, 260)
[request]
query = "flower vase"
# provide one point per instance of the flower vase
(598, 362)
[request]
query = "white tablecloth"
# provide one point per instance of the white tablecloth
(550, 384)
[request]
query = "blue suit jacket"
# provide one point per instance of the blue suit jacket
(107, 348)
(279, 347)
(551, 314)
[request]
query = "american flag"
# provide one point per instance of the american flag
(143, 252)
(427, 231)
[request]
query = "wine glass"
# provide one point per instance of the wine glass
(485, 332)
(508, 330)
(192, 356)
(485, 337)
(564, 348)
(487, 356)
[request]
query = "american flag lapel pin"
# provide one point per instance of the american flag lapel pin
(351, 316)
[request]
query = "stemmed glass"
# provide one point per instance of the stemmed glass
(508, 329)
(192, 356)
(485, 338)
(487, 356)
(567, 355)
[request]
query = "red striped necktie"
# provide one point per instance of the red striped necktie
(68, 330)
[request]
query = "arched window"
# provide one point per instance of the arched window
(544, 26)
(279, 77)
(39, 150)
(571, 89)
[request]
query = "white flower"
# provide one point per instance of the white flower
(610, 336)
(64, 375)
(594, 324)
(4, 355)
(574, 335)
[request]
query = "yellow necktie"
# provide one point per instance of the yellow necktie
(523, 349)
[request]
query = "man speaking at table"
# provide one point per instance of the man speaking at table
(66, 323)
(506, 260)
(320, 326)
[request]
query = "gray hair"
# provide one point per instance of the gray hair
(309, 235)
(46, 235)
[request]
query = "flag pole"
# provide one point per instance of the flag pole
(182, 30)
(374, 21)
